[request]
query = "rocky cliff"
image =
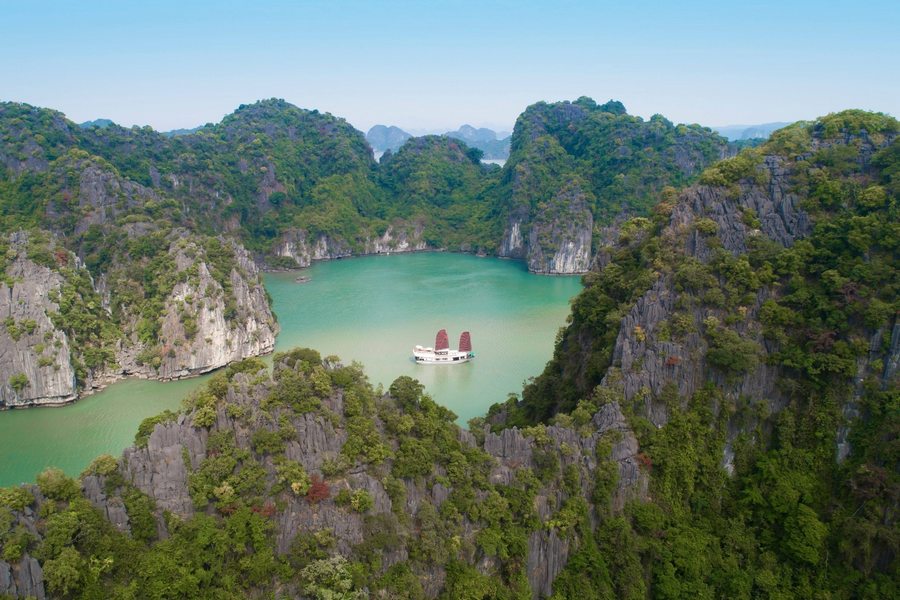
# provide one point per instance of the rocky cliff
(560, 238)
(66, 333)
(410, 497)
(209, 323)
(618, 164)
(35, 365)
(294, 246)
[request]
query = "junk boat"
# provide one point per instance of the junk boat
(441, 354)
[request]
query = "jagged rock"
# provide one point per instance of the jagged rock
(159, 469)
(113, 508)
(317, 441)
(25, 306)
(24, 579)
(219, 338)
(547, 556)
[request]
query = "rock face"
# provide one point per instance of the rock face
(162, 468)
(103, 195)
(209, 321)
(35, 365)
(23, 579)
(513, 243)
(214, 326)
(560, 238)
(295, 246)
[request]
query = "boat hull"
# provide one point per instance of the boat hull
(447, 357)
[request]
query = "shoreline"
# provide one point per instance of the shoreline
(263, 268)
(94, 389)
(105, 380)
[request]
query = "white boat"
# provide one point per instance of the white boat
(441, 354)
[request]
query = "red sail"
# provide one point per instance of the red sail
(442, 342)
(465, 342)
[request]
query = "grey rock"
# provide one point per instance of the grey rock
(559, 242)
(159, 470)
(295, 245)
(218, 340)
(113, 508)
(24, 579)
(28, 301)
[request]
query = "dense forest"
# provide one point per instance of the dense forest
(719, 418)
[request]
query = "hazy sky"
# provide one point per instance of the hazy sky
(437, 64)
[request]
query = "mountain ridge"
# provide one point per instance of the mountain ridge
(719, 419)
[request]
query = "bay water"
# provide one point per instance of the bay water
(370, 309)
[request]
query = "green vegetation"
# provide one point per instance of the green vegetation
(18, 382)
(753, 490)
(787, 519)
(625, 160)
(227, 549)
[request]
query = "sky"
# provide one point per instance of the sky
(433, 65)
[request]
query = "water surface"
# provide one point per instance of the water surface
(375, 309)
(71, 436)
(370, 309)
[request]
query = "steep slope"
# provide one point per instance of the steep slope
(749, 331)
(307, 481)
(616, 162)
(166, 305)
(440, 183)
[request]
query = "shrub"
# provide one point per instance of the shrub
(56, 485)
(291, 474)
(730, 352)
(267, 442)
(18, 382)
(359, 500)
(318, 490)
(15, 498)
(103, 465)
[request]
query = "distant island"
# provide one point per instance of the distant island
(493, 145)
(748, 132)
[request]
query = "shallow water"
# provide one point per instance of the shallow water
(370, 309)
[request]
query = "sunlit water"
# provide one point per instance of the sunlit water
(370, 309)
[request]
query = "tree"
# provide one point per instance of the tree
(329, 579)
(62, 573)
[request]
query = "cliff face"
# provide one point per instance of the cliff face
(215, 313)
(35, 366)
(560, 237)
(294, 246)
(205, 326)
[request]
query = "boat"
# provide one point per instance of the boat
(441, 354)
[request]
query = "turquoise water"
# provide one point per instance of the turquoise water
(71, 436)
(375, 309)
(370, 309)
